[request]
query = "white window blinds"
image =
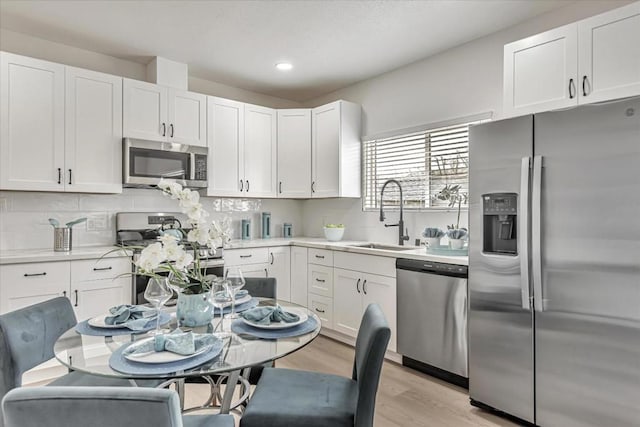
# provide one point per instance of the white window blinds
(429, 164)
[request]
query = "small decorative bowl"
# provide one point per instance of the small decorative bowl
(333, 234)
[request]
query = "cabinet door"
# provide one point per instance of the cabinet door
(381, 290)
(92, 298)
(540, 72)
(225, 136)
(325, 146)
(144, 110)
(187, 122)
(280, 268)
(609, 54)
(294, 153)
(299, 275)
(22, 285)
(32, 124)
(347, 301)
(93, 125)
(260, 151)
(320, 280)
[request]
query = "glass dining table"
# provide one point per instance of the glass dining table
(240, 351)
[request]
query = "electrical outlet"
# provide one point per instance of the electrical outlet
(97, 222)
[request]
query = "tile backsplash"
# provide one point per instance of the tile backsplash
(24, 215)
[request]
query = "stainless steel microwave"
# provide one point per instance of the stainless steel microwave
(146, 162)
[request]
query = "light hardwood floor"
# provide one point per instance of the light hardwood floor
(406, 397)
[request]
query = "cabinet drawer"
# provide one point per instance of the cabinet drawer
(99, 269)
(323, 308)
(381, 265)
(321, 257)
(246, 256)
(320, 280)
(25, 275)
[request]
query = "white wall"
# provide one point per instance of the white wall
(24, 215)
(459, 82)
(24, 44)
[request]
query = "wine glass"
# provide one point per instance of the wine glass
(219, 297)
(234, 281)
(158, 293)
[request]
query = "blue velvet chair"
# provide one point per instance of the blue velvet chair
(27, 337)
(101, 407)
(291, 398)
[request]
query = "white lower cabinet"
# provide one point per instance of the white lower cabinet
(263, 262)
(299, 269)
(353, 291)
(280, 268)
(91, 285)
(323, 308)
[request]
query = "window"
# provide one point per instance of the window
(429, 164)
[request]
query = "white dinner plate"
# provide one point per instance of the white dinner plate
(98, 322)
(281, 325)
(161, 356)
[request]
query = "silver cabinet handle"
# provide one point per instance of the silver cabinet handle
(584, 86)
(358, 286)
(241, 185)
(280, 187)
(523, 231)
(319, 311)
(171, 129)
(102, 268)
(320, 256)
(247, 186)
(59, 175)
(164, 129)
(69, 176)
(35, 274)
(272, 258)
(76, 304)
(246, 256)
(364, 286)
(313, 187)
(572, 89)
(536, 230)
(320, 280)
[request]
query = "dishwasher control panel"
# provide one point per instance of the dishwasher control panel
(432, 267)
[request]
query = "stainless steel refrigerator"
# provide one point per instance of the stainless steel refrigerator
(554, 266)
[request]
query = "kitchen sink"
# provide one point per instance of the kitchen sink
(384, 247)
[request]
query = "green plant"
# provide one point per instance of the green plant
(451, 193)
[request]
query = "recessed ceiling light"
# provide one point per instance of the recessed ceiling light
(284, 66)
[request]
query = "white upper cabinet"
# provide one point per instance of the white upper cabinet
(335, 150)
(158, 113)
(32, 124)
(61, 127)
(260, 151)
(540, 72)
(187, 118)
(294, 153)
(609, 54)
(593, 60)
(93, 131)
(225, 136)
(144, 110)
(242, 149)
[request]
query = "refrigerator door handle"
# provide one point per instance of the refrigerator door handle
(536, 231)
(523, 231)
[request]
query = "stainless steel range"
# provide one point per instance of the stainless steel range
(137, 230)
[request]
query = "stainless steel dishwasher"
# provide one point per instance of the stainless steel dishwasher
(432, 318)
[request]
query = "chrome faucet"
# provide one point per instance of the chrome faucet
(401, 237)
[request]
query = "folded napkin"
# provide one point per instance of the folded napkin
(266, 315)
(134, 317)
(184, 343)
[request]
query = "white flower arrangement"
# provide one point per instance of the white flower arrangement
(169, 256)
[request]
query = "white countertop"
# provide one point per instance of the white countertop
(320, 243)
(18, 256)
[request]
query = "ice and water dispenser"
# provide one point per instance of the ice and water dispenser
(499, 217)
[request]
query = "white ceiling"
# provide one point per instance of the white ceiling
(331, 44)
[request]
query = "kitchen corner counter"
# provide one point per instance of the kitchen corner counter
(19, 256)
(348, 246)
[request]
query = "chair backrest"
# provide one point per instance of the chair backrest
(95, 406)
(371, 344)
(27, 337)
(261, 287)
